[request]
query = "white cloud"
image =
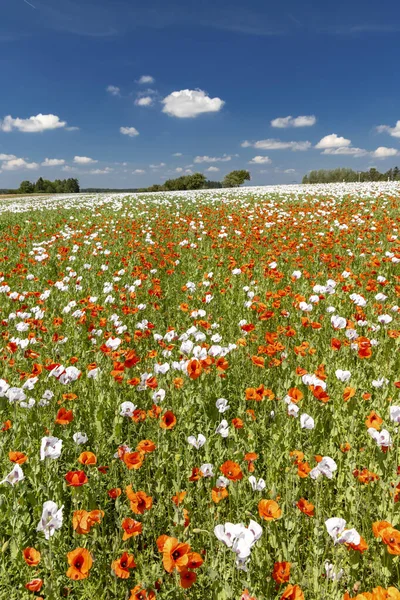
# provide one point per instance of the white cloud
(33, 124)
(178, 154)
(101, 171)
(260, 160)
(72, 129)
(157, 166)
(53, 162)
(332, 141)
(393, 131)
(68, 169)
(131, 131)
(84, 160)
(383, 152)
(146, 79)
(113, 90)
(289, 171)
(212, 159)
(178, 170)
(139, 171)
(212, 169)
(7, 156)
(346, 150)
(301, 121)
(190, 103)
(273, 144)
(18, 163)
(144, 101)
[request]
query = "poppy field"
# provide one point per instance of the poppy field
(200, 395)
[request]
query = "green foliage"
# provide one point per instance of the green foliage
(236, 178)
(348, 175)
(44, 186)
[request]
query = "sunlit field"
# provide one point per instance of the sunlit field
(200, 395)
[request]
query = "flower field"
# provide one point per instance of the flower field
(200, 395)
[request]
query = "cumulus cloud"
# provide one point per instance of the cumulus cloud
(212, 169)
(144, 101)
(84, 160)
(7, 156)
(131, 131)
(113, 90)
(101, 171)
(272, 144)
(15, 164)
(346, 150)
(146, 79)
(332, 141)
(212, 159)
(32, 124)
(393, 131)
(190, 103)
(157, 166)
(260, 160)
(139, 171)
(53, 162)
(383, 152)
(301, 121)
(177, 154)
(178, 170)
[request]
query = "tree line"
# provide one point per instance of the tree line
(348, 175)
(44, 186)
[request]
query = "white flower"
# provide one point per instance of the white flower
(385, 319)
(338, 322)
(15, 394)
(4, 386)
(158, 396)
(30, 383)
(223, 429)
(197, 442)
(50, 447)
(349, 536)
(395, 414)
(343, 376)
(80, 438)
(335, 526)
(51, 519)
(127, 409)
(292, 409)
(325, 467)
(296, 274)
(257, 486)
(222, 482)
(378, 383)
(14, 476)
(306, 422)
(30, 404)
(382, 438)
(222, 405)
(70, 374)
(207, 470)
(331, 573)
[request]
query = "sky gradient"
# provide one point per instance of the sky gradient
(126, 94)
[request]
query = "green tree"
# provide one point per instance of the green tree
(236, 178)
(26, 187)
(197, 181)
(39, 185)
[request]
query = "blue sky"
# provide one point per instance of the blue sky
(223, 78)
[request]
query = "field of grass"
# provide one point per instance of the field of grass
(200, 395)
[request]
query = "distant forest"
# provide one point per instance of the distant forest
(348, 175)
(196, 181)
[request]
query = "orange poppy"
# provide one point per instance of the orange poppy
(31, 556)
(269, 510)
(87, 458)
(83, 520)
(161, 542)
(175, 554)
(379, 526)
(131, 528)
(178, 498)
(281, 572)
(6, 425)
(237, 423)
(218, 494)
(146, 446)
(187, 578)
(374, 420)
(303, 470)
(114, 493)
(348, 393)
(139, 593)
(17, 457)
(122, 565)
(391, 537)
(231, 470)
(35, 585)
(76, 478)
(80, 562)
(292, 592)
(194, 368)
(195, 561)
(133, 460)
(306, 507)
(139, 501)
(168, 420)
(64, 416)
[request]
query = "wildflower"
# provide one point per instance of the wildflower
(292, 592)
(257, 486)
(15, 476)
(83, 521)
(76, 478)
(306, 507)
(17, 457)
(382, 438)
(80, 562)
(223, 429)
(35, 585)
(326, 466)
(197, 442)
(175, 554)
(269, 510)
(131, 528)
(306, 422)
(51, 519)
(231, 470)
(31, 556)
(168, 420)
(281, 572)
(87, 458)
(139, 593)
(139, 501)
(122, 565)
(50, 448)
(222, 405)
(332, 573)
